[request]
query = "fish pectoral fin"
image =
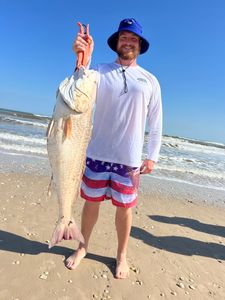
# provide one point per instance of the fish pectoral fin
(67, 128)
(49, 129)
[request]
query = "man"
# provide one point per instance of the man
(127, 95)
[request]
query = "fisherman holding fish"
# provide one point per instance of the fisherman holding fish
(127, 96)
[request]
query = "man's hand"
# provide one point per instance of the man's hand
(147, 166)
(81, 43)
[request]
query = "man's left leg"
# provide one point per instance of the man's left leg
(123, 222)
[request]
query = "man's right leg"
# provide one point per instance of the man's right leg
(88, 220)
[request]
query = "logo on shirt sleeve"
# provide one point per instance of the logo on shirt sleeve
(142, 80)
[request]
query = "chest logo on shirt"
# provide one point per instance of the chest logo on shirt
(142, 80)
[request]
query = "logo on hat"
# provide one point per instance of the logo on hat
(129, 22)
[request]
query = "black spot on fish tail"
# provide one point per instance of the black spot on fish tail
(70, 222)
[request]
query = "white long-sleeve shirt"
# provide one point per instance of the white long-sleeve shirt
(119, 120)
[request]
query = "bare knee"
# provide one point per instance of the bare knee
(91, 211)
(91, 206)
(123, 211)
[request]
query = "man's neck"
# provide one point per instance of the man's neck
(126, 62)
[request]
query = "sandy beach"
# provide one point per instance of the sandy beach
(176, 249)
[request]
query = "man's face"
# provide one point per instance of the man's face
(128, 45)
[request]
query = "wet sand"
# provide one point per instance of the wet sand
(176, 249)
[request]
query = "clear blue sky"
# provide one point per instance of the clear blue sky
(187, 55)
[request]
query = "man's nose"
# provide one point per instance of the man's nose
(127, 43)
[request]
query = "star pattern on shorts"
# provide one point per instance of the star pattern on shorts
(104, 166)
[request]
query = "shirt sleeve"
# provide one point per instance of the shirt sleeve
(154, 120)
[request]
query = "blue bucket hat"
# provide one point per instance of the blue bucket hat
(128, 25)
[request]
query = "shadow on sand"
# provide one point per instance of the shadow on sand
(18, 244)
(191, 223)
(184, 245)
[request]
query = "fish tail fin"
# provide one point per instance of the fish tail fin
(57, 235)
(72, 232)
(66, 231)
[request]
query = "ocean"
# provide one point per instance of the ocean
(195, 162)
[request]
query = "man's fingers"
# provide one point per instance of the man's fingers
(81, 43)
(82, 39)
(145, 170)
(79, 46)
(147, 166)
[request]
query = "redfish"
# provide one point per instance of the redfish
(68, 135)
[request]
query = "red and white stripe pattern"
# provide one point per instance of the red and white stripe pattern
(104, 180)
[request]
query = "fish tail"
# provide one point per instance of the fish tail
(66, 231)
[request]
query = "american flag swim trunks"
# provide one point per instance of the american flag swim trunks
(105, 180)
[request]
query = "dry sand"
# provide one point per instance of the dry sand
(176, 249)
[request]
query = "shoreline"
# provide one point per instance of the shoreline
(39, 165)
(182, 191)
(176, 248)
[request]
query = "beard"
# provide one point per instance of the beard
(128, 55)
